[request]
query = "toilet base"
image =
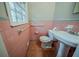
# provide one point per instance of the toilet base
(46, 45)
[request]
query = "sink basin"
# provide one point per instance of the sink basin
(74, 33)
(67, 38)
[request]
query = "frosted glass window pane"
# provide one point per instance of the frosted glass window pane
(17, 8)
(23, 12)
(19, 17)
(23, 5)
(24, 18)
(13, 16)
(18, 12)
(12, 6)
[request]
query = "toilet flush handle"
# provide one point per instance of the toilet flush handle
(36, 32)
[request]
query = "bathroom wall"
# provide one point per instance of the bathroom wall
(41, 11)
(16, 43)
(59, 14)
(41, 20)
(41, 14)
(64, 11)
(3, 13)
(64, 16)
(62, 24)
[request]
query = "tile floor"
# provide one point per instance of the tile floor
(35, 50)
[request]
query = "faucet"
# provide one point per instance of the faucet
(69, 28)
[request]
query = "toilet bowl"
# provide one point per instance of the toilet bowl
(46, 41)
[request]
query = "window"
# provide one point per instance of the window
(17, 12)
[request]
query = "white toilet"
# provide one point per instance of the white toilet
(46, 41)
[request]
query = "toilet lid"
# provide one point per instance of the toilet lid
(44, 39)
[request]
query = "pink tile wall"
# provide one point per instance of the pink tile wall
(40, 28)
(43, 27)
(62, 24)
(16, 44)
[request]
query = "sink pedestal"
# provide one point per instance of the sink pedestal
(76, 53)
(67, 40)
(63, 50)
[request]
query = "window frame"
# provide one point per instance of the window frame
(10, 17)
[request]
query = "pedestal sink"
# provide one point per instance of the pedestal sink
(66, 40)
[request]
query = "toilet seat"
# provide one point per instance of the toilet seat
(45, 39)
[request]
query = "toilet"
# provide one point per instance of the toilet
(46, 41)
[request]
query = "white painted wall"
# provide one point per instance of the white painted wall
(47, 11)
(3, 11)
(41, 11)
(3, 51)
(64, 10)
